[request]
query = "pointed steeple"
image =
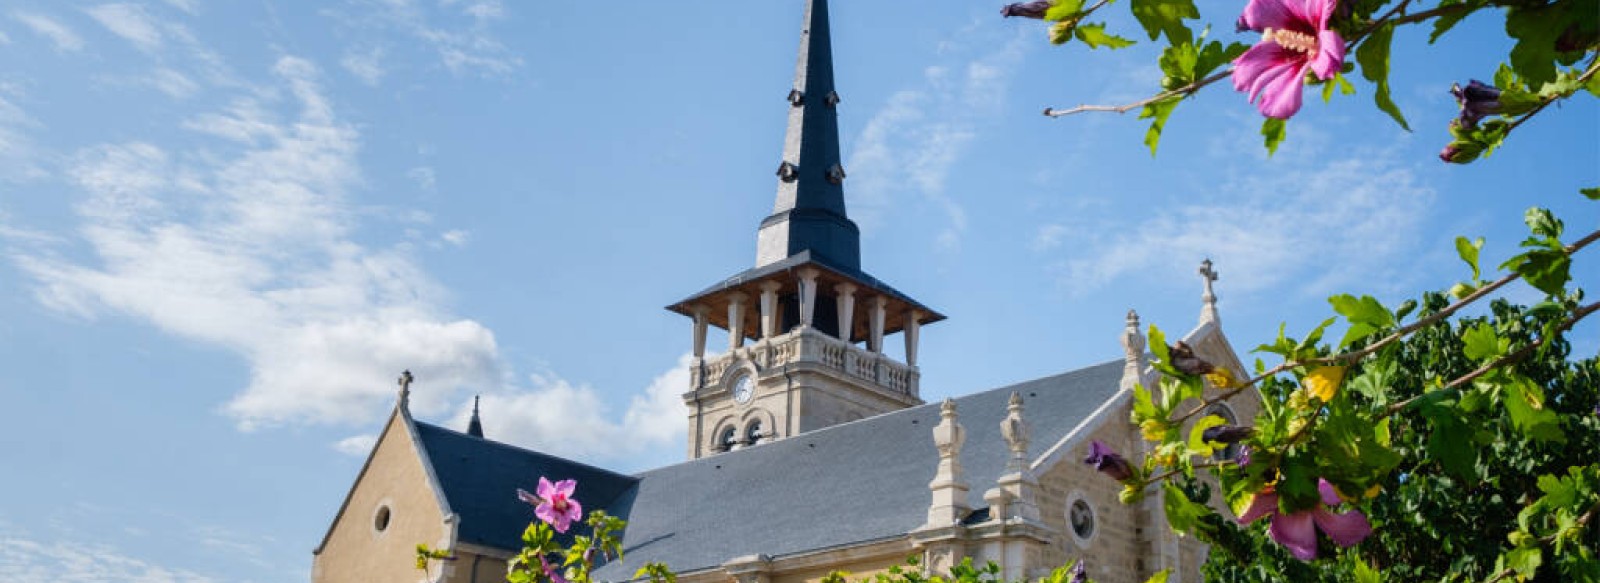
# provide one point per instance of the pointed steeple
(475, 427)
(810, 212)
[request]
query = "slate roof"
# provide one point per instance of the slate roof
(860, 481)
(480, 480)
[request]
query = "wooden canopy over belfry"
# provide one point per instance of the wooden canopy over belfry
(808, 256)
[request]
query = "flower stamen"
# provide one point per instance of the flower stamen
(1295, 41)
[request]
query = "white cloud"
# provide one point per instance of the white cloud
(921, 133)
(461, 46)
(172, 83)
(28, 561)
(130, 22)
(356, 445)
(189, 6)
(575, 421)
(64, 38)
(1049, 237)
(248, 247)
(456, 237)
(1354, 216)
(365, 65)
(17, 151)
(424, 177)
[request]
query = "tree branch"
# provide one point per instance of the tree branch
(1180, 92)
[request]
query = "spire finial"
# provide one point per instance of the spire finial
(475, 427)
(1133, 344)
(1208, 311)
(1016, 433)
(405, 390)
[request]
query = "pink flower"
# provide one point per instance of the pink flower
(554, 503)
(551, 571)
(1294, 38)
(1298, 531)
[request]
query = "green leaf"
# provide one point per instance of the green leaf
(1158, 113)
(1543, 223)
(1373, 55)
(1095, 36)
(1468, 250)
(1482, 343)
(1166, 17)
(1159, 348)
(1273, 130)
(1143, 406)
(1525, 560)
(1365, 314)
(1592, 193)
(1159, 577)
(1182, 513)
(1450, 443)
(1544, 269)
(1536, 28)
(1525, 405)
(1064, 9)
(1197, 443)
(1365, 573)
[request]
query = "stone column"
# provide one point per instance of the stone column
(847, 309)
(769, 308)
(875, 314)
(736, 301)
(913, 333)
(808, 295)
(700, 323)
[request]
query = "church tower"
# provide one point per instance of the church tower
(806, 325)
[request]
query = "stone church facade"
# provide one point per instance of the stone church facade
(809, 449)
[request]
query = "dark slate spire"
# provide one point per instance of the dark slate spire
(810, 211)
(475, 427)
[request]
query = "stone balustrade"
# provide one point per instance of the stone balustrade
(809, 346)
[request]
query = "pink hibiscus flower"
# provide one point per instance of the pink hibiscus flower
(1298, 531)
(554, 503)
(1294, 38)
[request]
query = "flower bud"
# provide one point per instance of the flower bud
(1476, 100)
(1461, 152)
(1108, 462)
(1026, 9)
(1227, 433)
(1185, 361)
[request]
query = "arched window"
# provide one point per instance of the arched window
(754, 432)
(728, 439)
(1230, 452)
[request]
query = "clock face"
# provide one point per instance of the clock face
(742, 390)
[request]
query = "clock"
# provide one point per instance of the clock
(742, 390)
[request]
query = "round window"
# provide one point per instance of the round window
(1081, 518)
(380, 521)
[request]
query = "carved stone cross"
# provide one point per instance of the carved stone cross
(1208, 312)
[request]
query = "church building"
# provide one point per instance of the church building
(809, 449)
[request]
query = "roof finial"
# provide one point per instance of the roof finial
(475, 427)
(405, 391)
(1208, 312)
(1133, 344)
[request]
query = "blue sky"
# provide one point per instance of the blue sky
(225, 227)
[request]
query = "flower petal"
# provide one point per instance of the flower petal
(1330, 55)
(1345, 529)
(1263, 14)
(574, 510)
(1297, 533)
(1330, 495)
(1280, 92)
(545, 490)
(1262, 504)
(565, 487)
(1317, 12)
(1256, 62)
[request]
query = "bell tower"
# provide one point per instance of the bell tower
(806, 326)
